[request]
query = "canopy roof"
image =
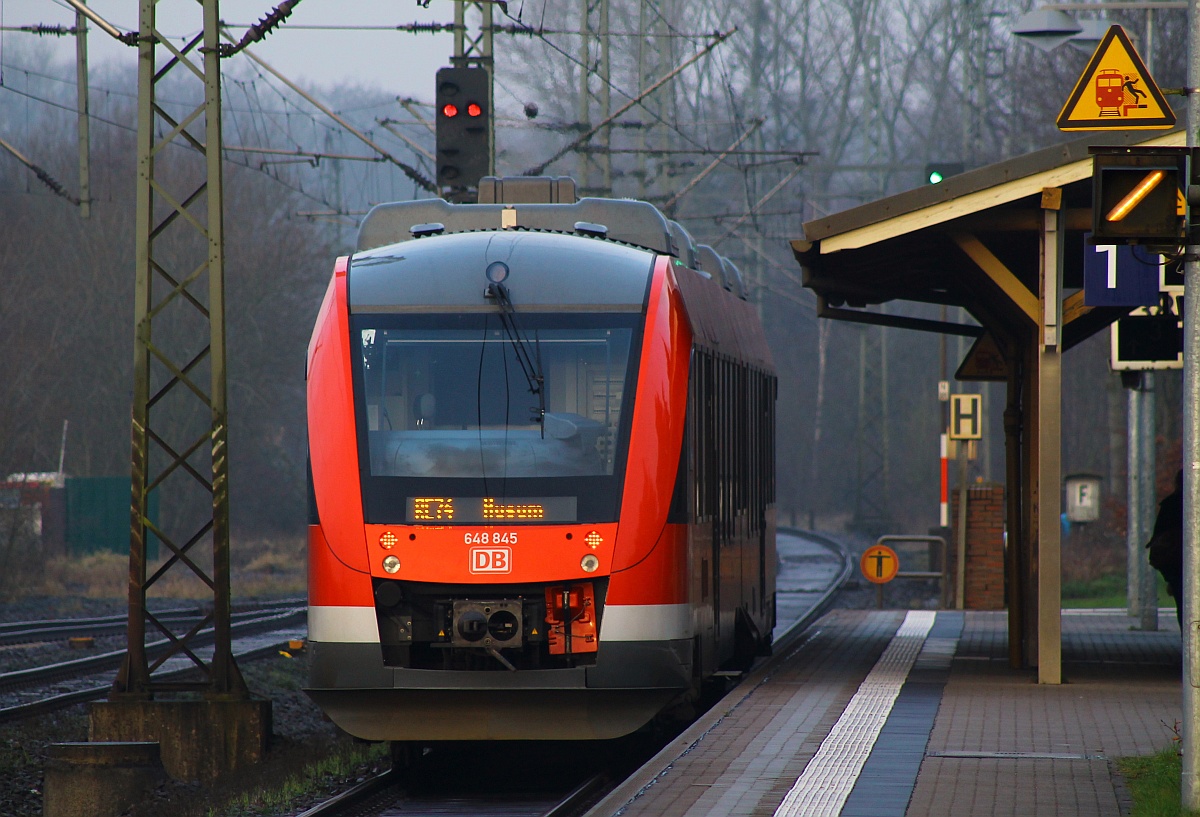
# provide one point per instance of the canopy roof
(968, 241)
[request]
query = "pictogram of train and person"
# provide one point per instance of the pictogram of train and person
(1117, 93)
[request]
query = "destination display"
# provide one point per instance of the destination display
(486, 510)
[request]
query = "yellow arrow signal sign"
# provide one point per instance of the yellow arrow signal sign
(1135, 196)
(1115, 91)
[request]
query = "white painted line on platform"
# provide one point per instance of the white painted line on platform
(827, 780)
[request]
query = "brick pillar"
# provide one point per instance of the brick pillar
(985, 545)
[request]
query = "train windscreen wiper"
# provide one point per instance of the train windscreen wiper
(531, 362)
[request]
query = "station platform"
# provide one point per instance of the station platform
(882, 713)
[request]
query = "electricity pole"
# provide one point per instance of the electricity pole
(81, 82)
(475, 49)
(1190, 783)
(189, 463)
(594, 62)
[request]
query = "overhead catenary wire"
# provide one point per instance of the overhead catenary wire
(387, 125)
(766, 197)
(408, 169)
(717, 40)
(94, 117)
(276, 120)
(258, 31)
(44, 30)
(449, 28)
(571, 58)
(699, 177)
(253, 108)
(44, 177)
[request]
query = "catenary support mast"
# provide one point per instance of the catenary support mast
(179, 406)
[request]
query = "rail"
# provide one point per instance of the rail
(825, 600)
(99, 663)
(378, 795)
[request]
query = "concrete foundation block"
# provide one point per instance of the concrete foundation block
(99, 779)
(200, 740)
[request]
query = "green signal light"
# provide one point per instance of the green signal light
(938, 172)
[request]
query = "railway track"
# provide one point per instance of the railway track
(811, 570)
(435, 784)
(37, 690)
(28, 632)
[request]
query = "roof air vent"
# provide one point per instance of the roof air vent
(433, 228)
(592, 229)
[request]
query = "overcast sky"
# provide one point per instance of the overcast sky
(399, 62)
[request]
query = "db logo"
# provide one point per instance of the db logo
(491, 560)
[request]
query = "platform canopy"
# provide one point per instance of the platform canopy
(1006, 243)
(964, 242)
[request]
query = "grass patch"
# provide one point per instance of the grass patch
(349, 761)
(1106, 591)
(259, 567)
(1153, 781)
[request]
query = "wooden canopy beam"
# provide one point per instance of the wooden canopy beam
(1000, 275)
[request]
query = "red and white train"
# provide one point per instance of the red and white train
(542, 499)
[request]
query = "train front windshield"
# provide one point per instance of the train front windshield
(454, 415)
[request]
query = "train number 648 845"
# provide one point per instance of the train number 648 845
(490, 538)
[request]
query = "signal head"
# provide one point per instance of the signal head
(463, 134)
(937, 172)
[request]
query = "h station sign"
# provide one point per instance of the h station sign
(966, 417)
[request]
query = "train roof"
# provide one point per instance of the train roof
(545, 270)
(538, 204)
(431, 242)
(629, 222)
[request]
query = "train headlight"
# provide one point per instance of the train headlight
(593, 540)
(589, 563)
(388, 540)
(496, 272)
(391, 564)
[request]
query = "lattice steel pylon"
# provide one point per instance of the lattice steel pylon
(473, 47)
(872, 489)
(179, 420)
(595, 87)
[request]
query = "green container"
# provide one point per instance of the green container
(98, 516)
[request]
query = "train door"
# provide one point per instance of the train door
(703, 555)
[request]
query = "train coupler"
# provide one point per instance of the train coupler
(571, 619)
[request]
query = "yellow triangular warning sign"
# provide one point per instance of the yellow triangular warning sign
(1115, 91)
(984, 361)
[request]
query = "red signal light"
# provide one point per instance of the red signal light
(474, 110)
(450, 110)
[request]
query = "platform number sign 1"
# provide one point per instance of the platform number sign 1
(1120, 275)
